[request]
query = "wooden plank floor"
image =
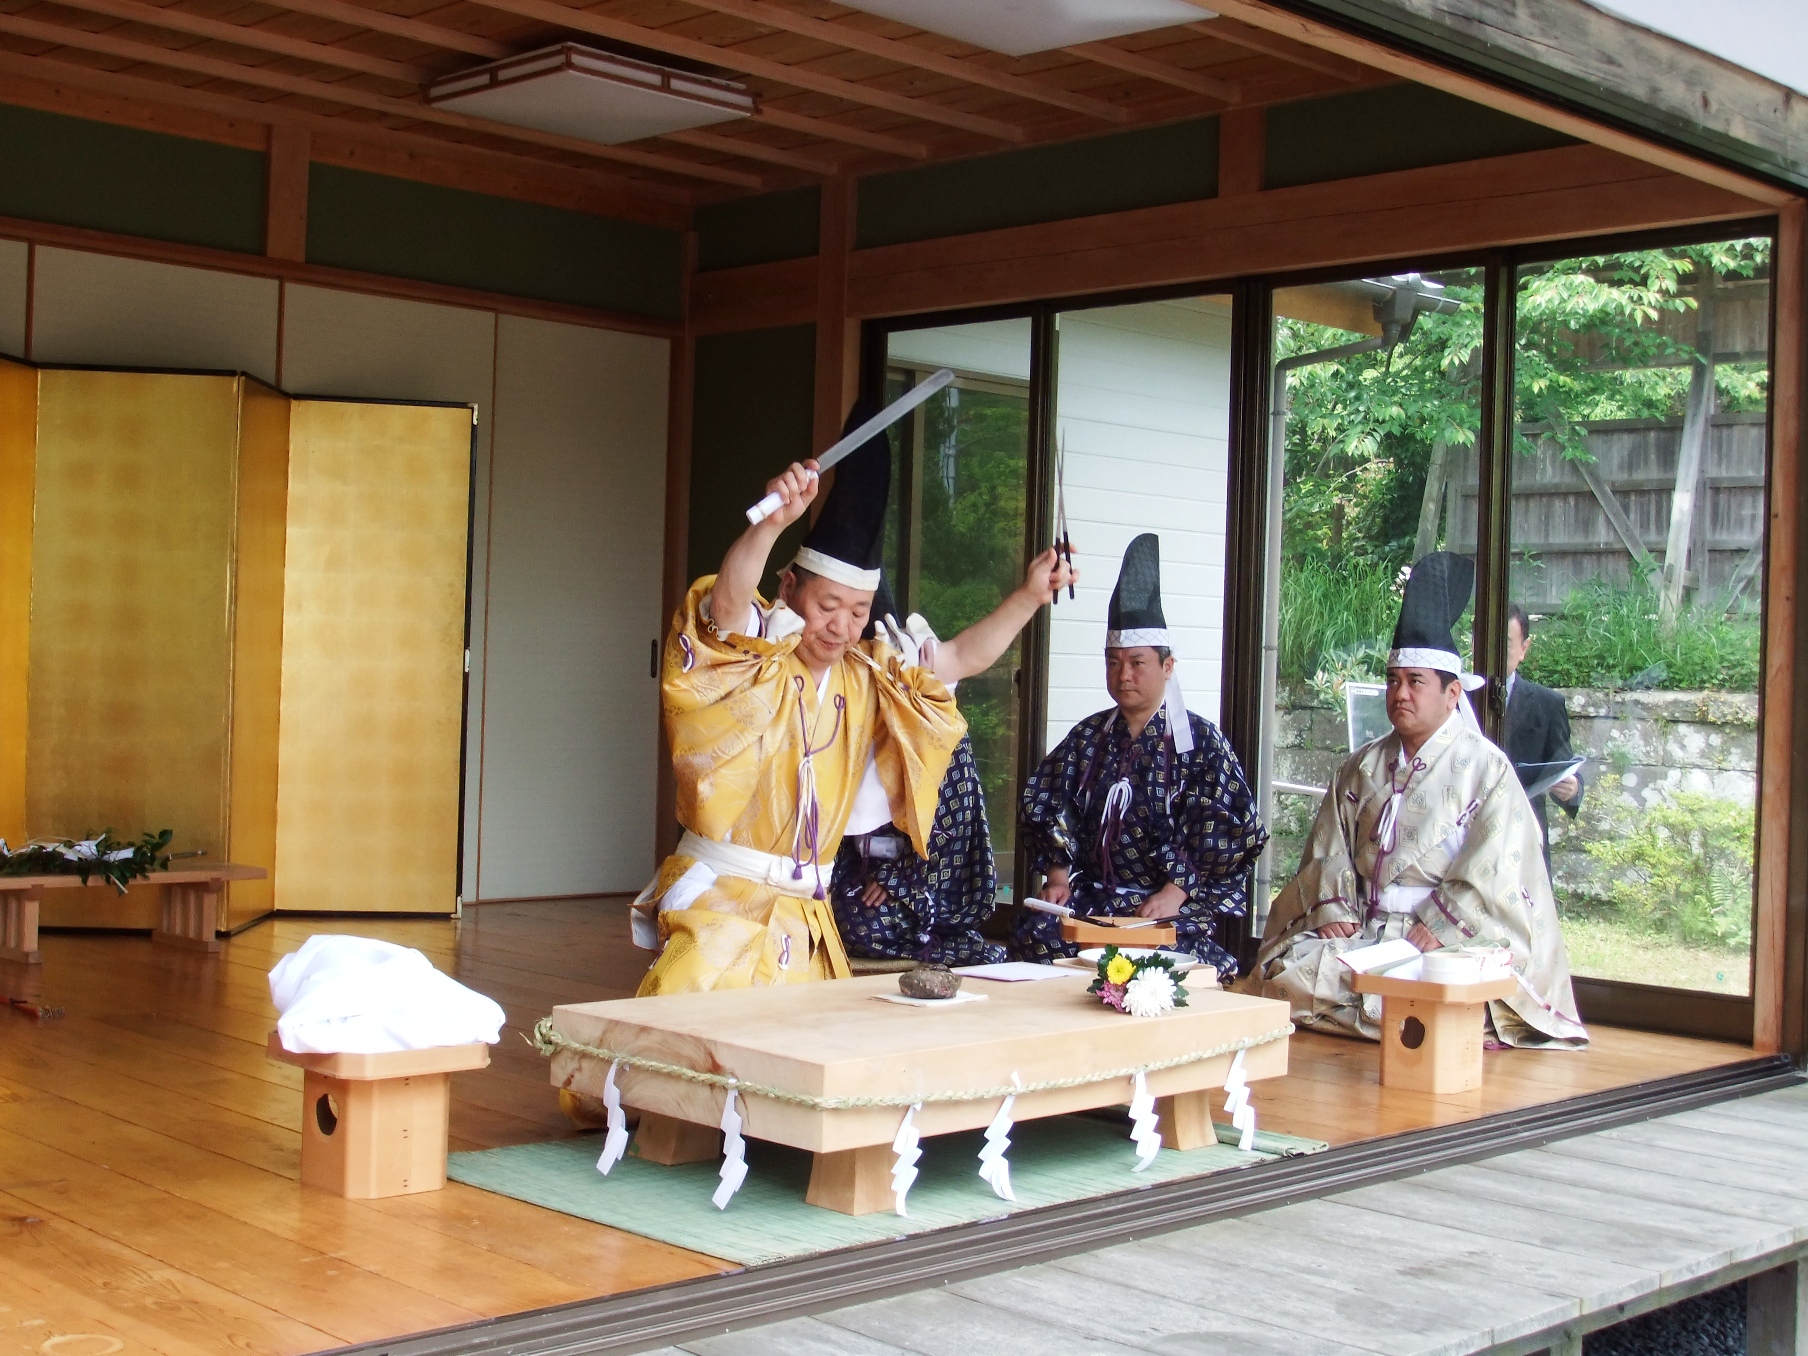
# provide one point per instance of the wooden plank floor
(1524, 1252)
(149, 1151)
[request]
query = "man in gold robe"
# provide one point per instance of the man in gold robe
(775, 712)
(1425, 834)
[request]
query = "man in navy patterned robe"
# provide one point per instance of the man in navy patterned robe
(891, 904)
(1142, 809)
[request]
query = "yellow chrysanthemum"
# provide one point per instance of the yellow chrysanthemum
(1119, 969)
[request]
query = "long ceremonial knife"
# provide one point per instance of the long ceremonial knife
(881, 421)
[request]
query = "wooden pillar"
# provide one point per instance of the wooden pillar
(1776, 1319)
(286, 196)
(680, 391)
(1242, 151)
(1780, 928)
(837, 335)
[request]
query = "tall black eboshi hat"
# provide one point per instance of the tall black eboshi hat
(1436, 594)
(1134, 618)
(847, 541)
(1135, 615)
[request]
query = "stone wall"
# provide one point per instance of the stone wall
(1639, 744)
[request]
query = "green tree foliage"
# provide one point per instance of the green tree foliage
(971, 505)
(1599, 337)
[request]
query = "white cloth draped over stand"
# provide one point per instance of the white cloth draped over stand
(356, 995)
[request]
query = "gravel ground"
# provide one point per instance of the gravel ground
(1708, 1325)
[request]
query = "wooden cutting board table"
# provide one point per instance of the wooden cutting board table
(836, 1040)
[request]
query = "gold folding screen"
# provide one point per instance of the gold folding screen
(373, 657)
(18, 472)
(234, 615)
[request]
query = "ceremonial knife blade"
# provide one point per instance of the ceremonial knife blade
(881, 421)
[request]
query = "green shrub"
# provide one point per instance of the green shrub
(1609, 636)
(1680, 868)
(1335, 613)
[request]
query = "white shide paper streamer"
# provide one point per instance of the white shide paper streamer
(734, 1151)
(994, 1167)
(615, 1143)
(904, 1170)
(1144, 1123)
(1236, 1102)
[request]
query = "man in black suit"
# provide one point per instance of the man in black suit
(1537, 727)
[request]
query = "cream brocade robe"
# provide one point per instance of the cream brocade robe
(738, 711)
(1466, 830)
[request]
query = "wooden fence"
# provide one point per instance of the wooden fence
(1564, 529)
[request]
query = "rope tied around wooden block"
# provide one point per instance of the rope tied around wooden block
(549, 1042)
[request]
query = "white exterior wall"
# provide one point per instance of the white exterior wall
(568, 520)
(1143, 403)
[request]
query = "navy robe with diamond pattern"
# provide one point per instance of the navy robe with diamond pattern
(933, 908)
(1191, 820)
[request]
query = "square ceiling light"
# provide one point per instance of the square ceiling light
(1019, 27)
(595, 96)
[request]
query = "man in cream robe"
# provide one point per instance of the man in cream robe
(1426, 834)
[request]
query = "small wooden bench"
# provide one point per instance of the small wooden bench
(375, 1125)
(1431, 1033)
(194, 898)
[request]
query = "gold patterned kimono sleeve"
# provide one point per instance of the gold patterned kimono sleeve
(724, 694)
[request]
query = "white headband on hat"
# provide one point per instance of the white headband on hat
(838, 570)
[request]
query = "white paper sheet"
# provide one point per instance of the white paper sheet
(1365, 960)
(906, 1000)
(1011, 972)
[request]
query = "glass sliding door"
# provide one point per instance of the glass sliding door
(1375, 411)
(1635, 598)
(1142, 411)
(955, 539)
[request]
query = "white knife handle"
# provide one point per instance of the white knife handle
(770, 505)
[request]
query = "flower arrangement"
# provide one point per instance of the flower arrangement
(117, 864)
(1142, 986)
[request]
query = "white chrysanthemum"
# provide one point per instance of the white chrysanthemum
(1150, 994)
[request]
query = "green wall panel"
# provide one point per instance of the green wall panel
(758, 230)
(1394, 128)
(405, 229)
(76, 172)
(1146, 168)
(752, 410)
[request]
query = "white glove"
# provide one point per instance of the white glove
(914, 640)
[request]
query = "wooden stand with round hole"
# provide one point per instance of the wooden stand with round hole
(1431, 1034)
(375, 1125)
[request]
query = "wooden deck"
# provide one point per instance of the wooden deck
(149, 1151)
(1518, 1254)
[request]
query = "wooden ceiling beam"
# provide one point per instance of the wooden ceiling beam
(909, 54)
(797, 77)
(66, 87)
(430, 35)
(453, 41)
(1134, 63)
(106, 44)
(1424, 71)
(748, 149)
(1293, 53)
(257, 39)
(853, 136)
